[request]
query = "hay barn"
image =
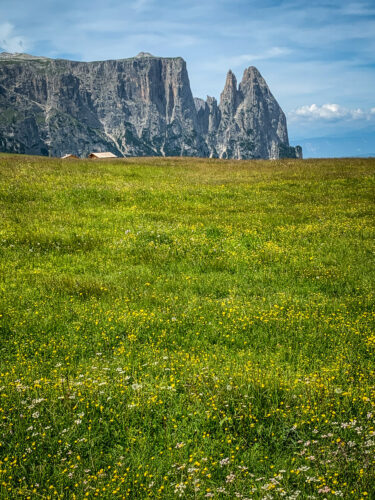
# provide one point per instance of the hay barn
(101, 155)
(69, 156)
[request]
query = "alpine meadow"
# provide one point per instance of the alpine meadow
(184, 327)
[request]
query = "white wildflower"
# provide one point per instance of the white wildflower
(224, 461)
(137, 387)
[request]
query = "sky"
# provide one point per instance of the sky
(318, 57)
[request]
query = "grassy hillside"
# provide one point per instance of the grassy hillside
(187, 328)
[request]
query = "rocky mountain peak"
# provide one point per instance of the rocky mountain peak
(252, 81)
(230, 82)
(229, 97)
(251, 73)
(249, 123)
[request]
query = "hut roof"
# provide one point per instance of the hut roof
(68, 156)
(102, 155)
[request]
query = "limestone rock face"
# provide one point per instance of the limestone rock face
(133, 107)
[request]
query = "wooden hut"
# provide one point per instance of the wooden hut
(101, 156)
(69, 156)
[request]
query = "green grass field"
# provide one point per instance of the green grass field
(187, 328)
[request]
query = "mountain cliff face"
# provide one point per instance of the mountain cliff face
(141, 106)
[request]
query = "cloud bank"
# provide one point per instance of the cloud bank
(330, 112)
(9, 41)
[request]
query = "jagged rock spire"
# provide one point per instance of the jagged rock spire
(229, 98)
(251, 123)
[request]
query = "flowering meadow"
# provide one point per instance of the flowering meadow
(187, 328)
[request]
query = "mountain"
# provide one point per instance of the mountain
(134, 107)
(354, 143)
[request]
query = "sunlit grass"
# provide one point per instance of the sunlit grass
(187, 327)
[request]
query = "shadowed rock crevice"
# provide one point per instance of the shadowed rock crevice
(134, 107)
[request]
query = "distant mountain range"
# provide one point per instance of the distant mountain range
(134, 107)
(358, 143)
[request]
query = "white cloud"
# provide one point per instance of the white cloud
(268, 54)
(330, 112)
(245, 59)
(9, 41)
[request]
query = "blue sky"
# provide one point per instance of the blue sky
(317, 57)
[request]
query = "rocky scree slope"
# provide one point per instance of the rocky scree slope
(141, 106)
